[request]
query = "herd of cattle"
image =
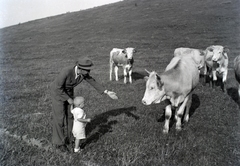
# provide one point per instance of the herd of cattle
(176, 84)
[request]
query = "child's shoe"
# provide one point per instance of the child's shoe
(77, 150)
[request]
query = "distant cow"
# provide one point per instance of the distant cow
(236, 64)
(175, 85)
(216, 62)
(124, 58)
(197, 55)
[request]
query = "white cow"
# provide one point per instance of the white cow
(174, 85)
(216, 62)
(124, 58)
(236, 64)
(197, 55)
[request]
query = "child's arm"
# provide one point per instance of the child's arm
(87, 120)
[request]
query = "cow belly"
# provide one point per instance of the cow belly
(118, 64)
(176, 89)
(117, 59)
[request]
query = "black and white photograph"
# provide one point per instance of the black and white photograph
(119, 82)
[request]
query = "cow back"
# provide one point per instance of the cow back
(118, 57)
(181, 76)
(197, 55)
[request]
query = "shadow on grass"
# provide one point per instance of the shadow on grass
(138, 76)
(208, 81)
(194, 106)
(135, 76)
(233, 93)
(105, 126)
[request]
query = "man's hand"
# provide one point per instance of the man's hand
(88, 120)
(111, 94)
(70, 101)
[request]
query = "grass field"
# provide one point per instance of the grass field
(123, 132)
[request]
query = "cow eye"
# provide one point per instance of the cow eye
(151, 88)
(125, 56)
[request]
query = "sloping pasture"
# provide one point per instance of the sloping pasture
(123, 132)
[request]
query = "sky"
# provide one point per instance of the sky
(13, 12)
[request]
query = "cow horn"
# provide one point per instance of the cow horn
(147, 71)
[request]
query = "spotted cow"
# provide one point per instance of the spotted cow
(123, 58)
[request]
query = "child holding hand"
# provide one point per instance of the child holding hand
(79, 122)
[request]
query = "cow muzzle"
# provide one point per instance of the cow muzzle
(144, 102)
(129, 61)
(215, 64)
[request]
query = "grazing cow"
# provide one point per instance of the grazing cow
(236, 64)
(197, 55)
(175, 85)
(124, 58)
(216, 62)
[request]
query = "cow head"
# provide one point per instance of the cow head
(129, 52)
(154, 92)
(217, 52)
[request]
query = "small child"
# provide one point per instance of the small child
(79, 122)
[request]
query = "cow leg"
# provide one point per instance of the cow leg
(180, 112)
(188, 105)
(125, 75)
(130, 75)
(238, 89)
(168, 115)
(214, 80)
(116, 72)
(205, 75)
(224, 80)
(111, 69)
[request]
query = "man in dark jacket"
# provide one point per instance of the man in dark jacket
(62, 93)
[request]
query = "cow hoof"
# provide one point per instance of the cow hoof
(165, 131)
(224, 91)
(175, 117)
(186, 119)
(178, 129)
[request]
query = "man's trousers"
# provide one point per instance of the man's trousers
(61, 116)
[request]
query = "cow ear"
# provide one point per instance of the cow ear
(146, 78)
(158, 77)
(202, 52)
(134, 50)
(225, 51)
(159, 82)
(210, 49)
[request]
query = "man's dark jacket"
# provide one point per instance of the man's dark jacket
(62, 86)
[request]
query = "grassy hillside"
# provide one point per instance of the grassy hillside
(123, 132)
